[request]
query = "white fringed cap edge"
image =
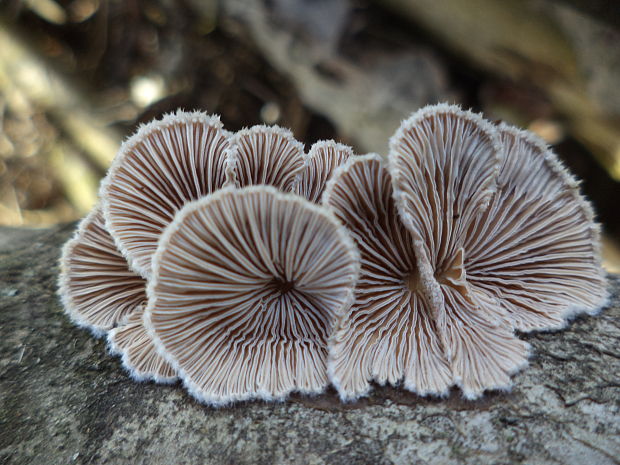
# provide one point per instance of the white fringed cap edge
(312, 153)
(168, 120)
(193, 388)
(136, 375)
(232, 151)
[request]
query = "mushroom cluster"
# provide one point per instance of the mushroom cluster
(248, 269)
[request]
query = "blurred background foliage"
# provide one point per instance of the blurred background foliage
(77, 76)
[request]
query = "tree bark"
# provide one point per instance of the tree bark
(64, 399)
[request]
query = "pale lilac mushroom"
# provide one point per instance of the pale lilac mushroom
(164, 165)
(323, 158)
(247, 285)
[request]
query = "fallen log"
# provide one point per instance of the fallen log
(64, 399)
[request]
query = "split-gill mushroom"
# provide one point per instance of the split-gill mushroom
(389, 334)
(164, 165)
(323, 158)
(535, 248)
(501, 239)
(472, 231)
(101, 293)
(131, 341)
(444, 164)
(267, 155)
(246, 287)
(95, 284)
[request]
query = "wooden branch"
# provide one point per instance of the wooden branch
(65, 400)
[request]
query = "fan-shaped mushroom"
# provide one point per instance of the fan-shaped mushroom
(131, 341)
(535, 248)
(95, 284)
(444, 164)
(479, 204)
(164, 165)
(264, 155)
(472, 231)
(390, 333)
(100, 292)
(247, 285)
(324, 157)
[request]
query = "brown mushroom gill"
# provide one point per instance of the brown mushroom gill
(267, 155)
(443, 164)
(139, 355)
(95, 283)
(164, 165)
(100, 292)
(535, 249)
(248, 284)
(389, 334)
(322, 160)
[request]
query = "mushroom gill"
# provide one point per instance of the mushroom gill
(503, 238)
(100, 292)
(131, 341)
(535, 248)
(247, 285)
(443, 166)
(267, 155)
(324, 157)
(164, 165)
(95, 284)
(389, 334)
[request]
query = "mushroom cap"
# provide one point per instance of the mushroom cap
(267, 155)
(389, 333)
(536, 247)
(139, 355)
(164, 165)
(95, 284)
(247, 285)
(444, 164)
(324, 157)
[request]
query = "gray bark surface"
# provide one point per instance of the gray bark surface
(64, 399)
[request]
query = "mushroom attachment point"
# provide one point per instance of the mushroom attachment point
(267, 155)
(439, 326)
(164, 165)
(324, 157)
(131, 341)
(95, 284)
(247, 285)
(389, 334)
